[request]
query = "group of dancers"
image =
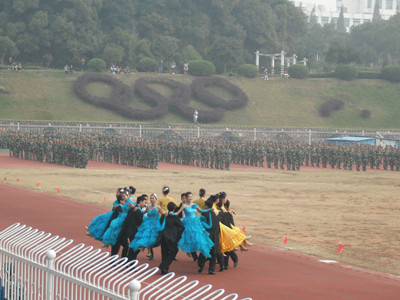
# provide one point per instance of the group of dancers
(204, 228)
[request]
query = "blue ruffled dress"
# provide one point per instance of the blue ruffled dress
(147, 233)
(194, 238)
(112, 232)
(98, 225)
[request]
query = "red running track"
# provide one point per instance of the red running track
(263, 272)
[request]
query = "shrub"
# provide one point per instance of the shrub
(147, 64)
(346, 72)
(248, 71)
(201, 67)
(322, 75)
(369, 75)
(298, 71)
(329, 106)
(2, 89)
(391, 73)
(96, 65)
(365, 113)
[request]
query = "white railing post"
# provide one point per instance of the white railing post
(198, 132)
(255, 134)
(309, 136)
(140, 131)
(18, 126)
(80, 127)
(134, 288)
(51, 256)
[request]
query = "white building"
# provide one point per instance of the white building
(356, 12)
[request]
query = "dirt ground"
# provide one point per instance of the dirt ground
(315, 208)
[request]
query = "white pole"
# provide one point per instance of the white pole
(255, 133)
(309, 136)
(134, 288)
(80, 127)
(198, 132)
(140, 131)
(282, 62)
(51, 256)
(258, 59)
(18, 126)
(272, 64)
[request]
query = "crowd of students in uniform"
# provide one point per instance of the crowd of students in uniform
(204, 228)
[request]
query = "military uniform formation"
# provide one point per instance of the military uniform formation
(292, 156)
(76, 149)
(54, 149)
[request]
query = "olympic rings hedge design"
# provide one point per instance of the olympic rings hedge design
(122, 94)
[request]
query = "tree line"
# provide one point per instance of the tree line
(225, 32)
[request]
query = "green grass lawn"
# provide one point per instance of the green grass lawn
(48, 95)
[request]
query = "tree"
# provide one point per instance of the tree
(377, 15)
(113, 54)
(339, 53)
(225, 53)
(313, 18)
(7, 48)
(49, 59)
(340, 26)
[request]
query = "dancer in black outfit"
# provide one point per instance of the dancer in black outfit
(226, 218)
(211, 223)
(130, 227)
(169, 238)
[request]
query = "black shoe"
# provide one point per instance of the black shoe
(221, 269)
(163, 272)
(175, 259)
(211, 273)
(225, 267)
(235, 264)
(200, 269)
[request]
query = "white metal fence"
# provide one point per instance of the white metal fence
(185, 132)
(37, 265)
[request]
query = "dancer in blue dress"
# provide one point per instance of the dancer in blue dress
(148, 232)
(98, 225)
(194, 238)
(115, 224)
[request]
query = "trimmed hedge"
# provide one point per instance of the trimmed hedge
(247, 70)
(201, 67)
(365, 113)
(346, 72)
(199, 88)
(96, 65)
(122, 94)
(391, 73)
(329, 106)
(298, 71)
(322, 75)
(369, 75)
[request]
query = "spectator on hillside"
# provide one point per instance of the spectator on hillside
(160, 66)
(185, 67)
(66, 69)
(173, 65)
(83, 64)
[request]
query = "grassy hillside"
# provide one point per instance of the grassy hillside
(48, 95)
